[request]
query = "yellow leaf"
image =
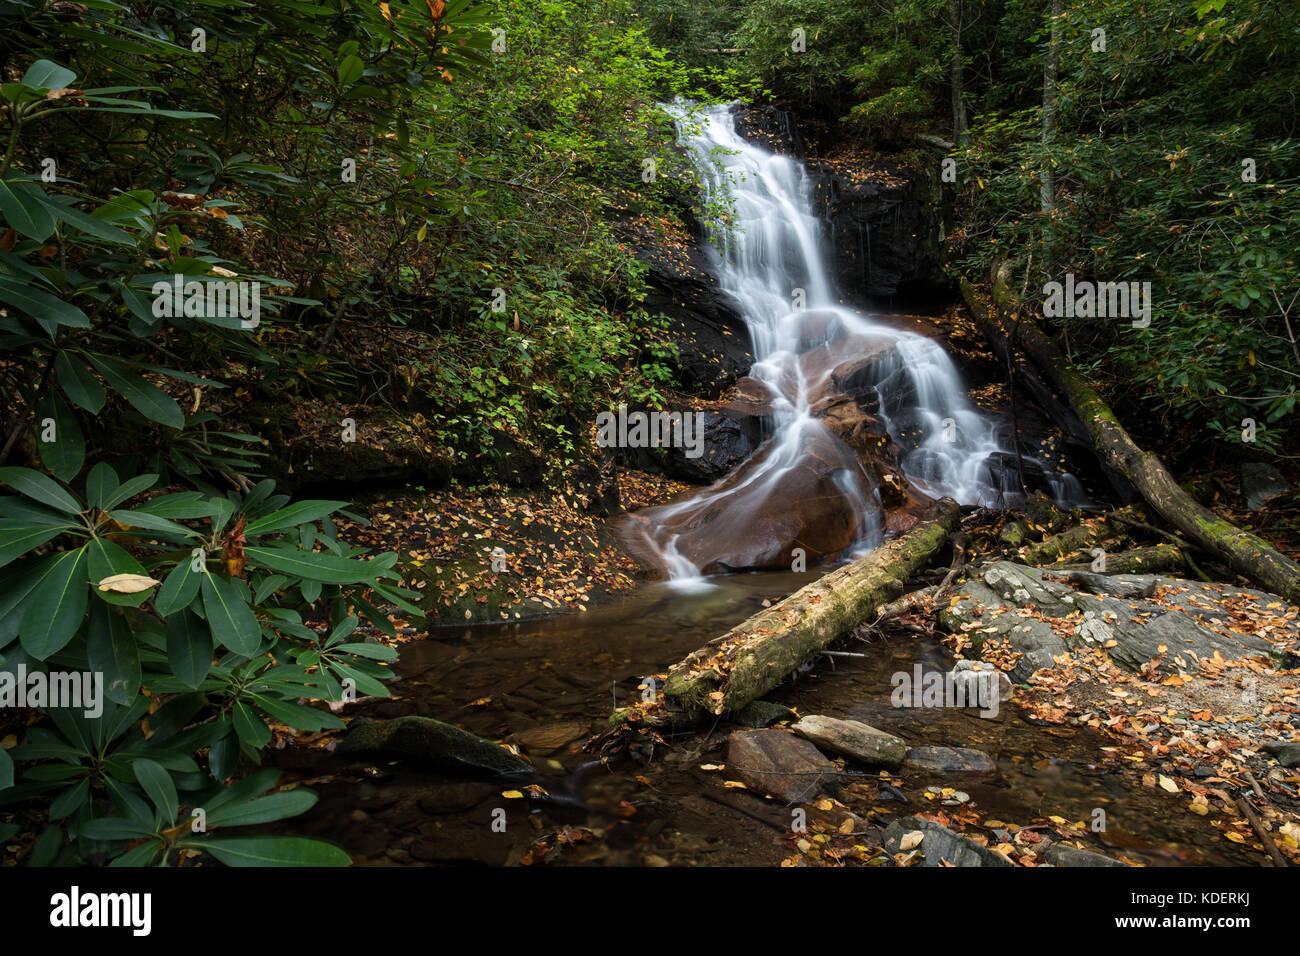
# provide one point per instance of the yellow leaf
(1168, 784)
(911, 840)
(127, 583)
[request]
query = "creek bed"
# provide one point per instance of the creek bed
(549, 685)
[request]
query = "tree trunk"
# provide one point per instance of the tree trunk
(751, 658)
(1248, 555)
(956, 72)
(1047, 190)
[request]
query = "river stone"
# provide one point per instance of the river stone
(1288, 755)
(948, 759)
(761, 713)
(939, 845)
(852, 739)
(779, 763)
(1076, 618)
(1261, 483)
(1059, 854)
(549, 737)
(423, 738)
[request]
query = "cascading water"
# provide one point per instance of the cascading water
(805, 493)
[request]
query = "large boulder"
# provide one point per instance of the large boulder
(816, 501)
(1185, 617)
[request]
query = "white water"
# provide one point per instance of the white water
(774, 247)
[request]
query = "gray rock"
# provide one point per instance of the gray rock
(1076, 618)
(964, 678)
(423, 738)
(946, 759)
(761, 713)
(1261, 483)
(1288, 755)
(854, 740)
(940, 845)
(779, 763)
(1058, 854)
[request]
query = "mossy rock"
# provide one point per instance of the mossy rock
(442, 746)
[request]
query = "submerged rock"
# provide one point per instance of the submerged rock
(854, 740)
(423, 738)
(1059, 854)
(761, 713)
(948, 759)
(939, 845)
(1261, 483)
(779, 763)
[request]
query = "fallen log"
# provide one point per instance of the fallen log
(751, 658)
(1161, 557)
(1245, 553)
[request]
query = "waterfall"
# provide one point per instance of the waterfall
(768, 255)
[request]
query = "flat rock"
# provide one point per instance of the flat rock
(948, 759)
(857, 741)
(1065, 617)
(779, 763)
(549, 738)
(442, 745)
(939, 845)
(1059, 854)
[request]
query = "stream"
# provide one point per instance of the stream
(549, 685)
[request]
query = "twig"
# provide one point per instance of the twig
(1262, 832)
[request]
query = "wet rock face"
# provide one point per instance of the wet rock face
(728, 440)
(770, 128)
(1140, 614)
(881, 227)
(880, 223)
(714, 347)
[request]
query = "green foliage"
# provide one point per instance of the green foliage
(1148, 164)
(124, 168)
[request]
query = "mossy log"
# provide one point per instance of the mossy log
(1080, 538)
(1160, 557)
(1247, 554)
(751, 658)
